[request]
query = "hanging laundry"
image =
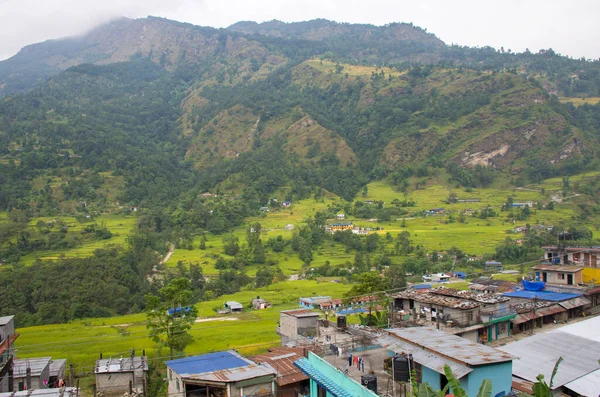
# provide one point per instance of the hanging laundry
(350, 360)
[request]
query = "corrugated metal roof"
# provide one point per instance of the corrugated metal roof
(37, 365)
(283, 361)
(6, 319)
(423, 357)
(541, 312)
(300, 313)
(235, 374)
(541, 295)
(564, 269)
(585, 329)
(427, 297)
(450, 346)
(322, 379)
(587, 385)
(234, 305)
(538, 353)
(482, 298)
(56, 366)
(208, 363)
(68, 392)
(124, 364)
(573, 303)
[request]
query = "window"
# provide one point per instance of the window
(170, 374)
(469, 316)
(561, 276)
(503, 328)
(178, 385)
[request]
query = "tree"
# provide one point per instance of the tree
(368, 284)
(170, 314)
(230, 245)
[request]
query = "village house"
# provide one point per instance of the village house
(290, 381)
(579, 347)
(341, 217)
(312, 302)
(493, 265)
(259, 304)
(334, 304)
(581, 256)
(560, 275)
(477, 317)
(340, 226)
(233, 307)
(7, 351)
(436, 211)
(115, 375)
(31, 373)
(298, 326)
(431, 349)
(223, 374)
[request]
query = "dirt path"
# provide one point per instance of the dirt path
(166, 258)
(204, 320)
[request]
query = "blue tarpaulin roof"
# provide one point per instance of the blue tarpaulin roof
(533, 285)
(207, 363)
(461, 274)
(322, 379)
(541, 295)
(421, 286)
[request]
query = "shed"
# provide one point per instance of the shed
(290, 380)
(225, 374)
(39, 369)
(114, 374)
(233, 306)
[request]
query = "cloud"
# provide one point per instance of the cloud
(567, 27)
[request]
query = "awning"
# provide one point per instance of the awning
(322, 379)
(543, 312)
(575, 302)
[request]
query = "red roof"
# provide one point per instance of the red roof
(282, 359)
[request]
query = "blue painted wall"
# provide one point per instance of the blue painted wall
(500, 374)
(432, 377)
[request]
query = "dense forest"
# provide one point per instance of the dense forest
(252, 110)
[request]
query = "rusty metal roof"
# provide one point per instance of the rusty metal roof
(235, 374)
(300, 313)
(525, 307)
(564, 269)
(282, 359)
(450, 347)
(576, 302)
(437, 299)
(481, 298)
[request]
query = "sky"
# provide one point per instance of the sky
(567, 26)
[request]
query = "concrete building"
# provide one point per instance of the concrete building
(559, 275)
(432, 349)
(233, 307)
(7, 351)
(477, 317)
(113, 375)
(223, 374)
(313, 302)
(290, 381)
(296, 327)
(31, 373)
(579, 346)
(580, 256)
(258, 303)
(328, 381)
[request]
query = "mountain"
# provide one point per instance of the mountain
(175, 109)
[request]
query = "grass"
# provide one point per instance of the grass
(82, 341)
(352, 70)
(580, 101)
(120, 227)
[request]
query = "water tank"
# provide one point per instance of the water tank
(370, 382)
(401, 369)
(341, 321)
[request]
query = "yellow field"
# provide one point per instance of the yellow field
(352, 70)
(580, 101)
